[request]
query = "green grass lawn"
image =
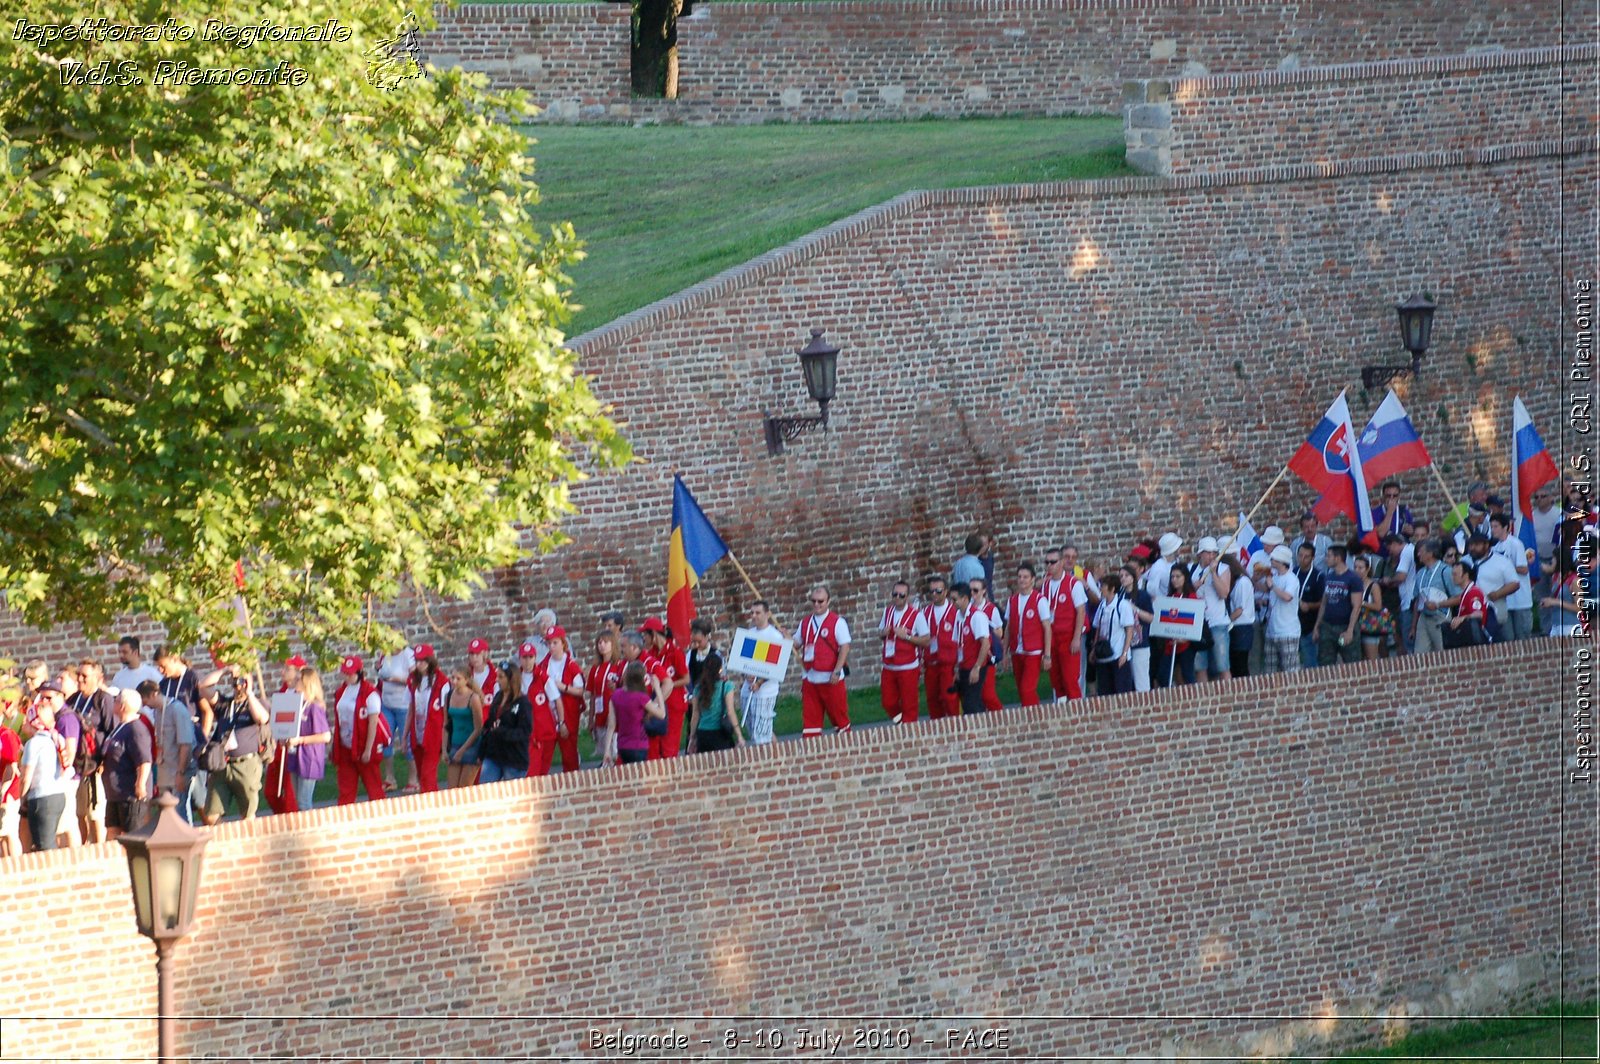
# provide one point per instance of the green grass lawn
(662, 207)
(1542, 1035)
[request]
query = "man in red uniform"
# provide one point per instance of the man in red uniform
(1068, 609)
(824, 648)
(935, 634)
(898, 684)
(973, 663)
(1028, 629)
(997, 633)
(666, 653)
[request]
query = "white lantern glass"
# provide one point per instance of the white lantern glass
(139, 866)
(169, 892)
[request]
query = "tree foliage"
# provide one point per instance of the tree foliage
(315, 328)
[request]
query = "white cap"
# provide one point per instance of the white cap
(1280, 553)
(1207, 543)
(1272, 537)
(1169, 543)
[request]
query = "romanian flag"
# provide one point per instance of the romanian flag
(694, 548)
(761, 650)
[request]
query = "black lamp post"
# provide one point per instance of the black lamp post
(819, 361)
(164, 859)
(1416, 332)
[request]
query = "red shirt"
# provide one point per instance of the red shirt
(1473, 603)
(10, 756)
(677, 667)
(603, 681)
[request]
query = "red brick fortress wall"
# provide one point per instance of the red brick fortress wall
(1325, 114)
(1373, 841)
(896, 59)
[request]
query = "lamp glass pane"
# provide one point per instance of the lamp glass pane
(139, 872)
(191, 890)
(169, 892)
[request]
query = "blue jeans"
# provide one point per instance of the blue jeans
(491, 771)
(396, 716)
(195, 797)
(1308, 651)
(1407, 618)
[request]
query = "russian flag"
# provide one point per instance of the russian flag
(1330, 462)
(1532, 468)
(693, 548)
(1390, 445)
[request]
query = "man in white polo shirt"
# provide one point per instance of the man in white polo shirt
(1518, 621)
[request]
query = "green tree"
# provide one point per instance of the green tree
(655, 47)
(315, 327)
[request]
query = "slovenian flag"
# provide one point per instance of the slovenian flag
(1330, 462)
(1390, 445)
(693, 548)
(761, 650)
(1531, 469)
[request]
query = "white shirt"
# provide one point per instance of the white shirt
(841, 635)
(890, 646)
(1408, 566)
(419, 703)
(1283, 617)
(345, 710)
(769, 688)
(1493, 574)
(1112, 624)
(1544, 532)
(1515, 552)
(554, 667)
(480, 676)
(393, 671)
(1260, 564)
(1216, 604)
(1158, 581)
(1319, 550)
(978, 621)
(128, 679)
(1243, 598)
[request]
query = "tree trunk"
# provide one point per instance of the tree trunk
(655, 47)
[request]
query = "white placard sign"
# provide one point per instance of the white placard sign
(1178, 618)
(285, 712)
(755, 655)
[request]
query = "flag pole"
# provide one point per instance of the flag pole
(1281, 474)
(745, 576)
(1447, 496)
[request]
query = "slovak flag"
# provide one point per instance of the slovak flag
(1330, 462)
(1390, 445)
(1531, 469)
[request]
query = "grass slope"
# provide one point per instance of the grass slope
(1542, 1035)
(662, 207)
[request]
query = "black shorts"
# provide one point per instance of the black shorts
(709, 740)
(127, 815)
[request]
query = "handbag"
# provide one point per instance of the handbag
(656, 726)
(213, 756)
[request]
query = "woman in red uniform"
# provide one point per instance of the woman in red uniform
(564, 686)
(425, 728)
(278, 787)
(603, 680)
(669, 656)
(360, 731)
(483, 672)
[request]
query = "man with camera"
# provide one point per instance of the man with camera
(232, 718)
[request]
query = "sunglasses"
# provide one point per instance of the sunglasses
(897, 594)
(819, 602)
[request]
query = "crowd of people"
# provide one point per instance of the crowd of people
(81, 757)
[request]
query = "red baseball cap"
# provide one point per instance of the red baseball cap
(478, 646)
(297, 661)
(1139, 551)
(652, 624)
(557, 632)
(424, 650)
(351, 665)
(528, 650)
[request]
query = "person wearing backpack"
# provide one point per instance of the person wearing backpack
(46, 773)
(232, 754)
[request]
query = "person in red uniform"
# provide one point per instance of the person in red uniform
(546, 714)
(564, 687)
(278, 787)
(824, 650)
(360, 731)
(430, 691)
(997, 633)
(1068, 602)
(1029, 632)
(604, 680)
(935, 636)
(972, 638)
(898, 683)
(484, 674)
(669, 656)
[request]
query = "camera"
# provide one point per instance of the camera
(226, 689)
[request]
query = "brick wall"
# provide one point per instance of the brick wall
(883, 59)
(1320, 114)
(1376, 841)
(1084, 361)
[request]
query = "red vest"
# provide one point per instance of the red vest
(968, 643)
(1065, 622)
(943, 632)
(1024, 629)
(904, 653)
(344, 749)
(432, 739)
(997, 624)
(571, 705)
(603, 680)
(819, 636)
(491, 684)
(544, 716)
(677, 666)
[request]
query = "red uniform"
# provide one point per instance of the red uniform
(898, 683)
(490, 684)
(428, 747)
(602, 682)
(939, 659)
(820, 642)
(991, 697)
(657, 668)
(1026, 617)
(348, 748)
(1067, 619)
(571, 711)
(542, 741)
(673, 667)
(276, 788)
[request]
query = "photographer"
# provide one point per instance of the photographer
(234, 717)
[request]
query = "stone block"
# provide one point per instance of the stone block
(791, 97)
(1150, 116)
(894, 95)
(977, 93)
(1163, 48)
